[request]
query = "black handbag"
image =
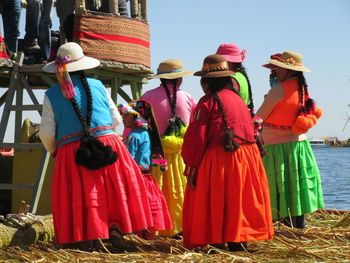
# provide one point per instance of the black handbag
(92, 153)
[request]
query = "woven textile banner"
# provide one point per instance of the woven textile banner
(113, 38)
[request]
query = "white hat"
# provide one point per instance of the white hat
(72, 55)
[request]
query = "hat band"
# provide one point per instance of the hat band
(170, 71)
(65, 60)
(290, 61)
(215, 67)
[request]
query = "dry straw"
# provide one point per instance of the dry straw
(326, 239)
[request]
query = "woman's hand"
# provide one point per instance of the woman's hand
(192, 181)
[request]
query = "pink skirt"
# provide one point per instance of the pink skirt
(86, 203)
(159, 208)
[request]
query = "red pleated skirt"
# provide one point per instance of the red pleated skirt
(159, 208)
(86, 203)
(231, 202)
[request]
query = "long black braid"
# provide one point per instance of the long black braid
(86, 122)
(230, 144)
(92, 153)
(174, 123)
(172, 102)
(243, 70)
(305, 103)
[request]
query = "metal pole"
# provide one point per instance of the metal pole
(39, 181)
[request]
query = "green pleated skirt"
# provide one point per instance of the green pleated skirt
(294, 179)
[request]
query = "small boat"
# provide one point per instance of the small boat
(318, 143)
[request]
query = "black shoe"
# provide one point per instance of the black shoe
(234, 246)
(178, 236)
(32, 47)
(87, 246)
(299, 221)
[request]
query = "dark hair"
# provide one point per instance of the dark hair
(240, 68)
(216, 84)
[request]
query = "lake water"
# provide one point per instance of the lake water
(334, 165)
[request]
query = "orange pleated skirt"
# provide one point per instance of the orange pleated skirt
(231, 202)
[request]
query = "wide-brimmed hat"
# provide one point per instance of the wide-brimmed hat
(231, 52)
(214, 66)
(288, 60)
(171, 69)
(274, 56)
(71, 54)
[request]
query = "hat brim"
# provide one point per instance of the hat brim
(233, 59)
(288, 66)
(269, 66)
(173, 75)
(214, 74)
(81, 64)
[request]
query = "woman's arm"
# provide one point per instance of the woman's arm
(273, 97)
(47, 132)
(195, 139)
(116, 118)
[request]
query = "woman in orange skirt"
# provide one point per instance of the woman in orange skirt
(227, 195)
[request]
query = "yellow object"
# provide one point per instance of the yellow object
(172, 182)
(25, 168)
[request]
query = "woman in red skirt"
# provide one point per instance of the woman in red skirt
(227, 195)
(97, 192)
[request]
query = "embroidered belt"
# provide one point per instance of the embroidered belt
(274, 126)
(80, 134)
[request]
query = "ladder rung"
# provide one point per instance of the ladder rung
(16, 186)
(25, 107)
(22, 145)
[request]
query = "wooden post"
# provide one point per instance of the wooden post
(10, 95)
(80, 7)
(144, 10)
(134, 5)
(113, 7)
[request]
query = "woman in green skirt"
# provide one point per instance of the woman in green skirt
(288, 113)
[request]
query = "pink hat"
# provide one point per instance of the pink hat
(231, 52)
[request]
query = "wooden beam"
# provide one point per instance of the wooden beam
(3, 98)
(10, 95)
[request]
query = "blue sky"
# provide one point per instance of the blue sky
(319, 29)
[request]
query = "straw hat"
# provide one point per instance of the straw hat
(288, 60)
(231, 52)
(214, 66)
(72, 55)
(171, 69)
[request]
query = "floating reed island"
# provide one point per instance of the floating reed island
(326, 239)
